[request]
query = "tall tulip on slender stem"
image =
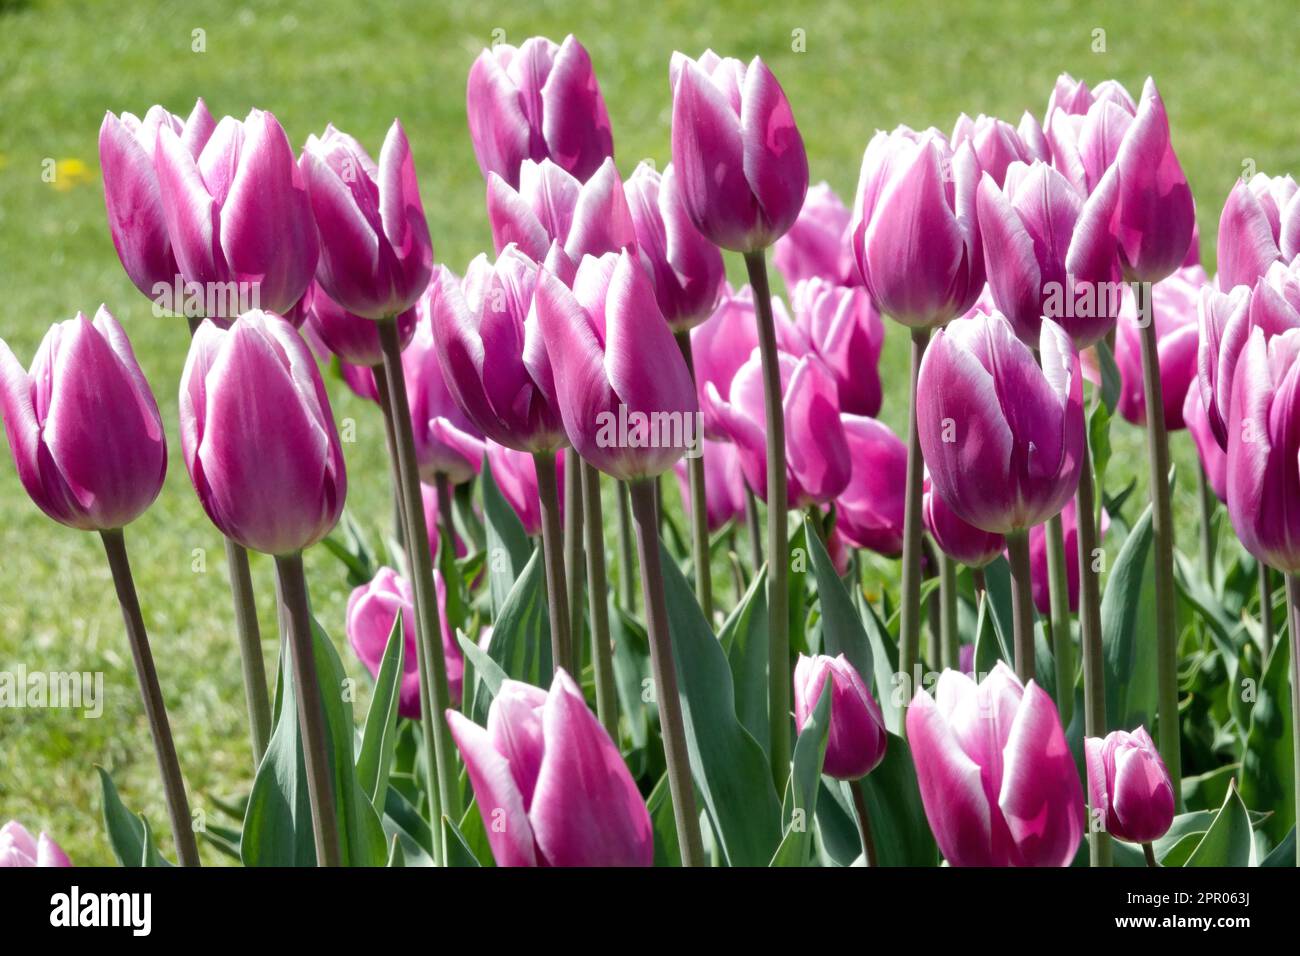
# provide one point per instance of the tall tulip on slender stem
(744, 175)
(89, 447)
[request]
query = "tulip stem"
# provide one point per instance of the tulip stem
(626, 559)
(755, 530)
(548, 495)
(1293, 609)
(864, 822)
(977, 581)
(1149, 852)
(390, 437)
(909, 634)
(155, 709)
(446, 520)
(1265, 610)
(1022, 603)
(434, 694)
(949, 639)
(1059, 595)
(573, 558)
(778, 597)
(665, 675)
(471, 526)
(1208, 504)
(296, 615)
(699, 504)
(602, 657)
(1163, 536)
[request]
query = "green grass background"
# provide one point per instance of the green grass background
(1225, 71)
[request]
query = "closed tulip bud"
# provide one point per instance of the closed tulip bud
(743, 169)
(515, 473)
(1223, 325)
(537, 101)
(239, 212)
(1260, 225)
(996, 144)
(18, 848)
(999, 785)
(1073, 97)
(856, 740)
(136, 220)
(914, 230)
(724, 483)
(1129, 785)
(551, 786)
(625, 394)
(83, 426)
(1001, 436)
(258, 435)
(686, 268)
(1038, 573)
(869, 511)
(376, 254)
(1084, 130)
(1034, 139)
(843, 327)
(1174, 303)
(355, 340)
(960, 541)
(446, 441)
(1214, 460)
(819, 244)
(1049, 252)
(373, 608)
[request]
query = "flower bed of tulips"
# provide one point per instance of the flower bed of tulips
(1056, 681)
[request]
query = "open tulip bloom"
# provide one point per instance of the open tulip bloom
(18, 848)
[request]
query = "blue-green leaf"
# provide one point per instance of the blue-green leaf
(744, 641)
(1127, 629)
(508, 547)
(128, 834)
(1228, 841)
(800, 805)
(1267, 777)
(379, 739)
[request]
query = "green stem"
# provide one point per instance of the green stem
(1293, 605)
(1163, 535)
(699, 505)
(909, 635)
(557, 607)
(626, 560)
(1094, 675)
(1265, 610)
(754, 528)
(446, 519)
(1022, 603)
(155, 709)
(1062, 640)
(602, 655)
(390, 438)
(471, 525)
(665, 675)
(778, 598)
(573, 558)
(1149, 852)
(864, 822)
(1209, 504)
(949, 639)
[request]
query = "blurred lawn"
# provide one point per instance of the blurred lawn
(1223, 71)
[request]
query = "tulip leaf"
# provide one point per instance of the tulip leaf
(508, 547)
(631, 671)
(728, 764)
(1267, 777)
(458, 851)
(838, 843)
(841, 627)
(1283, 854)
(1127, 626)
(797, 590)
(521, 636)
(396, 859)
(893, 798)
(1099, 441)
(128, 834)
(744, 641)
(800, 805)
(664, 825)
(1110, 376)
(890, 689)
(474, 834)
(988, 648)
(403, 821)
(1229, 840)
(379, 739)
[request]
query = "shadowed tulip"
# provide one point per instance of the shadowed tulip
(537, 101)
(625, 394)
(238, 212)
(515, 473)
(686, 268)
(843, 327)
(551, 786)
(1213, 458)
(136, 220)
(869, 511)
(432, 520)
(960, 541)
(1129, 785)
(258, 436)
(376, 255)
(856, 740)
(1174, 302)
(18, 848)
(997, 779)
(360, 380)
(1001, 436)
(372, 609)
(724, 481)
(446, 441)
(741, 161)
(83, 426)
(996, 144)
(819, 244)
(1260, 225)
(1038, 558)
(355, 340)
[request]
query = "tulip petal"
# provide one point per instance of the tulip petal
(500, 803)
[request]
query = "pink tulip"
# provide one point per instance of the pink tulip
(258, 436)
(1129, 785)
(1038, 558)
(18, 848)
(515, 473)
(997, 779)
(1074, 98)
(537, 101)
(1213, 458)
(83, 426)
(1223, 325)
(914, 230)
(1260, 225)
(819, 244)
(737, 150)
(360, 380)
(353, 339)
(996, 144)
(446, 441)
(869, 511)
(1001, 436)
(686, 268)
(724, 483)
(136, 220)
(550, 784)
(372, 609)
(238, 212)
(856, 741)
(625, 394)
(1084, 129)
(960, 541)
(1174, 302)
(376, 255)
(843, 327)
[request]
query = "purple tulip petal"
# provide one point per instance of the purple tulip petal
(500, 803)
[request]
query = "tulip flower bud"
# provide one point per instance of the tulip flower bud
(515, 473)
(820, 243)
(625, 394)
(996, 144)
(376, 254)
(446, 441)
(1038, 573)
(914, 230)
(1214, 460)
(960, 541)
(551, 786)
(83, 426)
(1174, 303)
(724, 483)
(355, 340)
(1223, 325)
(843, 327)
(18, 848)
(999, 785)
(258, 435)
(686, 268)
(239, 216)
(855, 743)
(1001, 436)
(1260, 225)
(741, 161)
(136, 220)
(869, 511)
(537, 101)
(1084, 129)
(372, 609)
(1129, 785)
